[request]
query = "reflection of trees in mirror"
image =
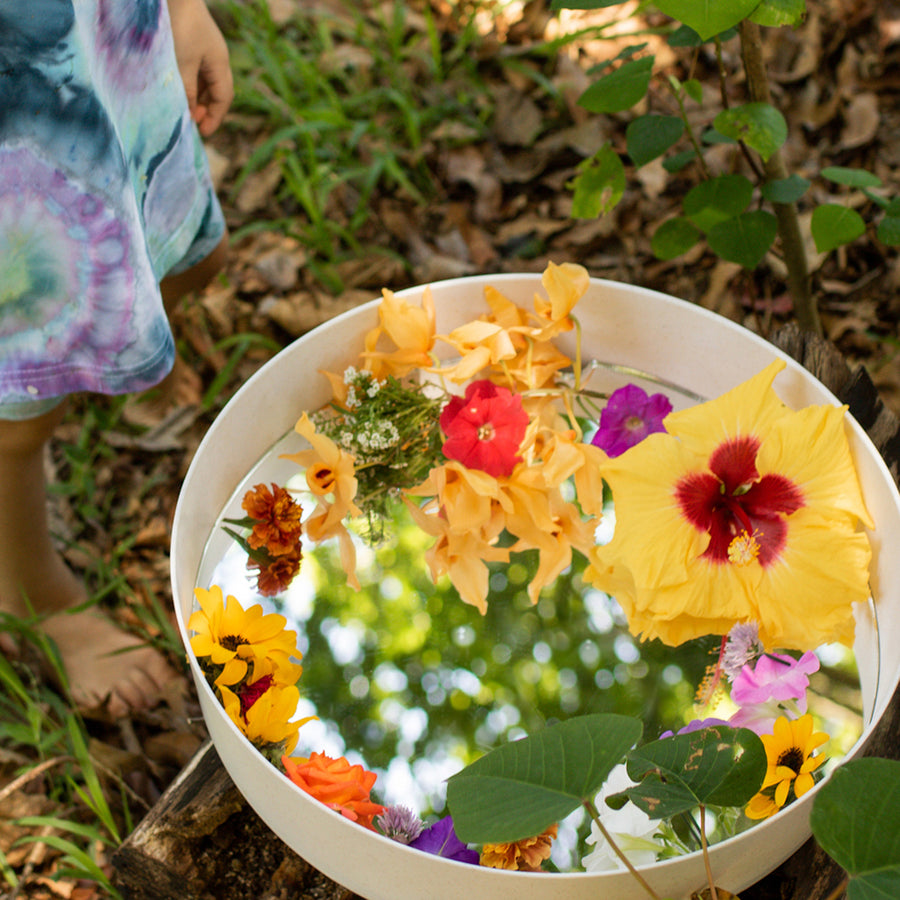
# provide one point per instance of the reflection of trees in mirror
(416, 684)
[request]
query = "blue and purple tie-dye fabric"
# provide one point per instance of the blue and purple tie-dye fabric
(104, 188)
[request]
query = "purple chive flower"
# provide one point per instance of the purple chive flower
(441, 840)
(628, 417)
(400, 823)
(762, 691)
(743, 648)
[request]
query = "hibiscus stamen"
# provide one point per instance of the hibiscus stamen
(744, 548)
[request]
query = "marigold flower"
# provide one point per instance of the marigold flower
(790, 767)
(277, 519)
(734, 467)
(525, 855)
(232, 637)
(628, 417)
(485, 428)
(337, 784)
(276, 573)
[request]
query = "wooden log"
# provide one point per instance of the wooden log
(202, 840)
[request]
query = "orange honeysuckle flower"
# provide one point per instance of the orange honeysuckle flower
(277, 526)
(480, 344)
(461, 555)
(329, 471)
(409, 327)
(727, 517)
(525, 855)
(233, 637)
(337, 784)
(565, 285)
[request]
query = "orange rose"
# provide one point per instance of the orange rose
(335, 783)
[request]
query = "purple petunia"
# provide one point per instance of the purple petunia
(441, 840)
(629, 416)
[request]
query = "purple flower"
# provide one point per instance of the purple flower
(628, 417)
(743, 648)
(775, 686)
(441, 840)
(400, 824)
(696, 725)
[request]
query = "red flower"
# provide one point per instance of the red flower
(485, 428)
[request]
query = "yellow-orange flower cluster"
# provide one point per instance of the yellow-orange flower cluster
(337, 784)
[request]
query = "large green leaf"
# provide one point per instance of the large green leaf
(833, 226)
(774, 13)
(759, 125)
(674, 237)
(889, 231)
(621, 89)
(717, 766)
(599, 184)
(708, 17)
(717, 199)
(745, 239)
(648, 137)
(856, 820)
(521, 788)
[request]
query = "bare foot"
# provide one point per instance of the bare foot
(106, 668)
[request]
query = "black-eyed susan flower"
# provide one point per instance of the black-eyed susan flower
(743, 511)
(264, 713)
(227, 638)
(791, 764)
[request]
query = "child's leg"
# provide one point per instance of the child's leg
(31, 568)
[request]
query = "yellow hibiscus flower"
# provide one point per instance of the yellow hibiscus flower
(729, 517)
(790, 766)
(234, 638)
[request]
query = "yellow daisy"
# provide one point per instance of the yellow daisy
(791, 765)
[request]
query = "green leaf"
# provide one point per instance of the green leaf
(648, 137)
(694, 89)
(584, 4)
(744, 239)
(521, 788)
(621, 89)
(889, 231)
(717, 199)
(851, 177)
(785, 190)
(674, 237)
(717, 766)
(833, 225)
(775, 13)
(856, 820)
(708, 17)
(759, 125)
(678, 161)
(599, 184)
(893, 207)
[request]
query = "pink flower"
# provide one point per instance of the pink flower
(762, 691)
(485, 428)
(628, 417)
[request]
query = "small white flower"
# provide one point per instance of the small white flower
(631, 828)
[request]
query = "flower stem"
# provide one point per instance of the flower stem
(592, 811)
(713, 893)
(786, 213)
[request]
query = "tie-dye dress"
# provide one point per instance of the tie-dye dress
(104, 189)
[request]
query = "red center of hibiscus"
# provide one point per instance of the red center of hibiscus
(739, 510)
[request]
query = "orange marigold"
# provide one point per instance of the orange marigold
(525, 855)
(337, 784)
(276, 516)
(276, 573)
